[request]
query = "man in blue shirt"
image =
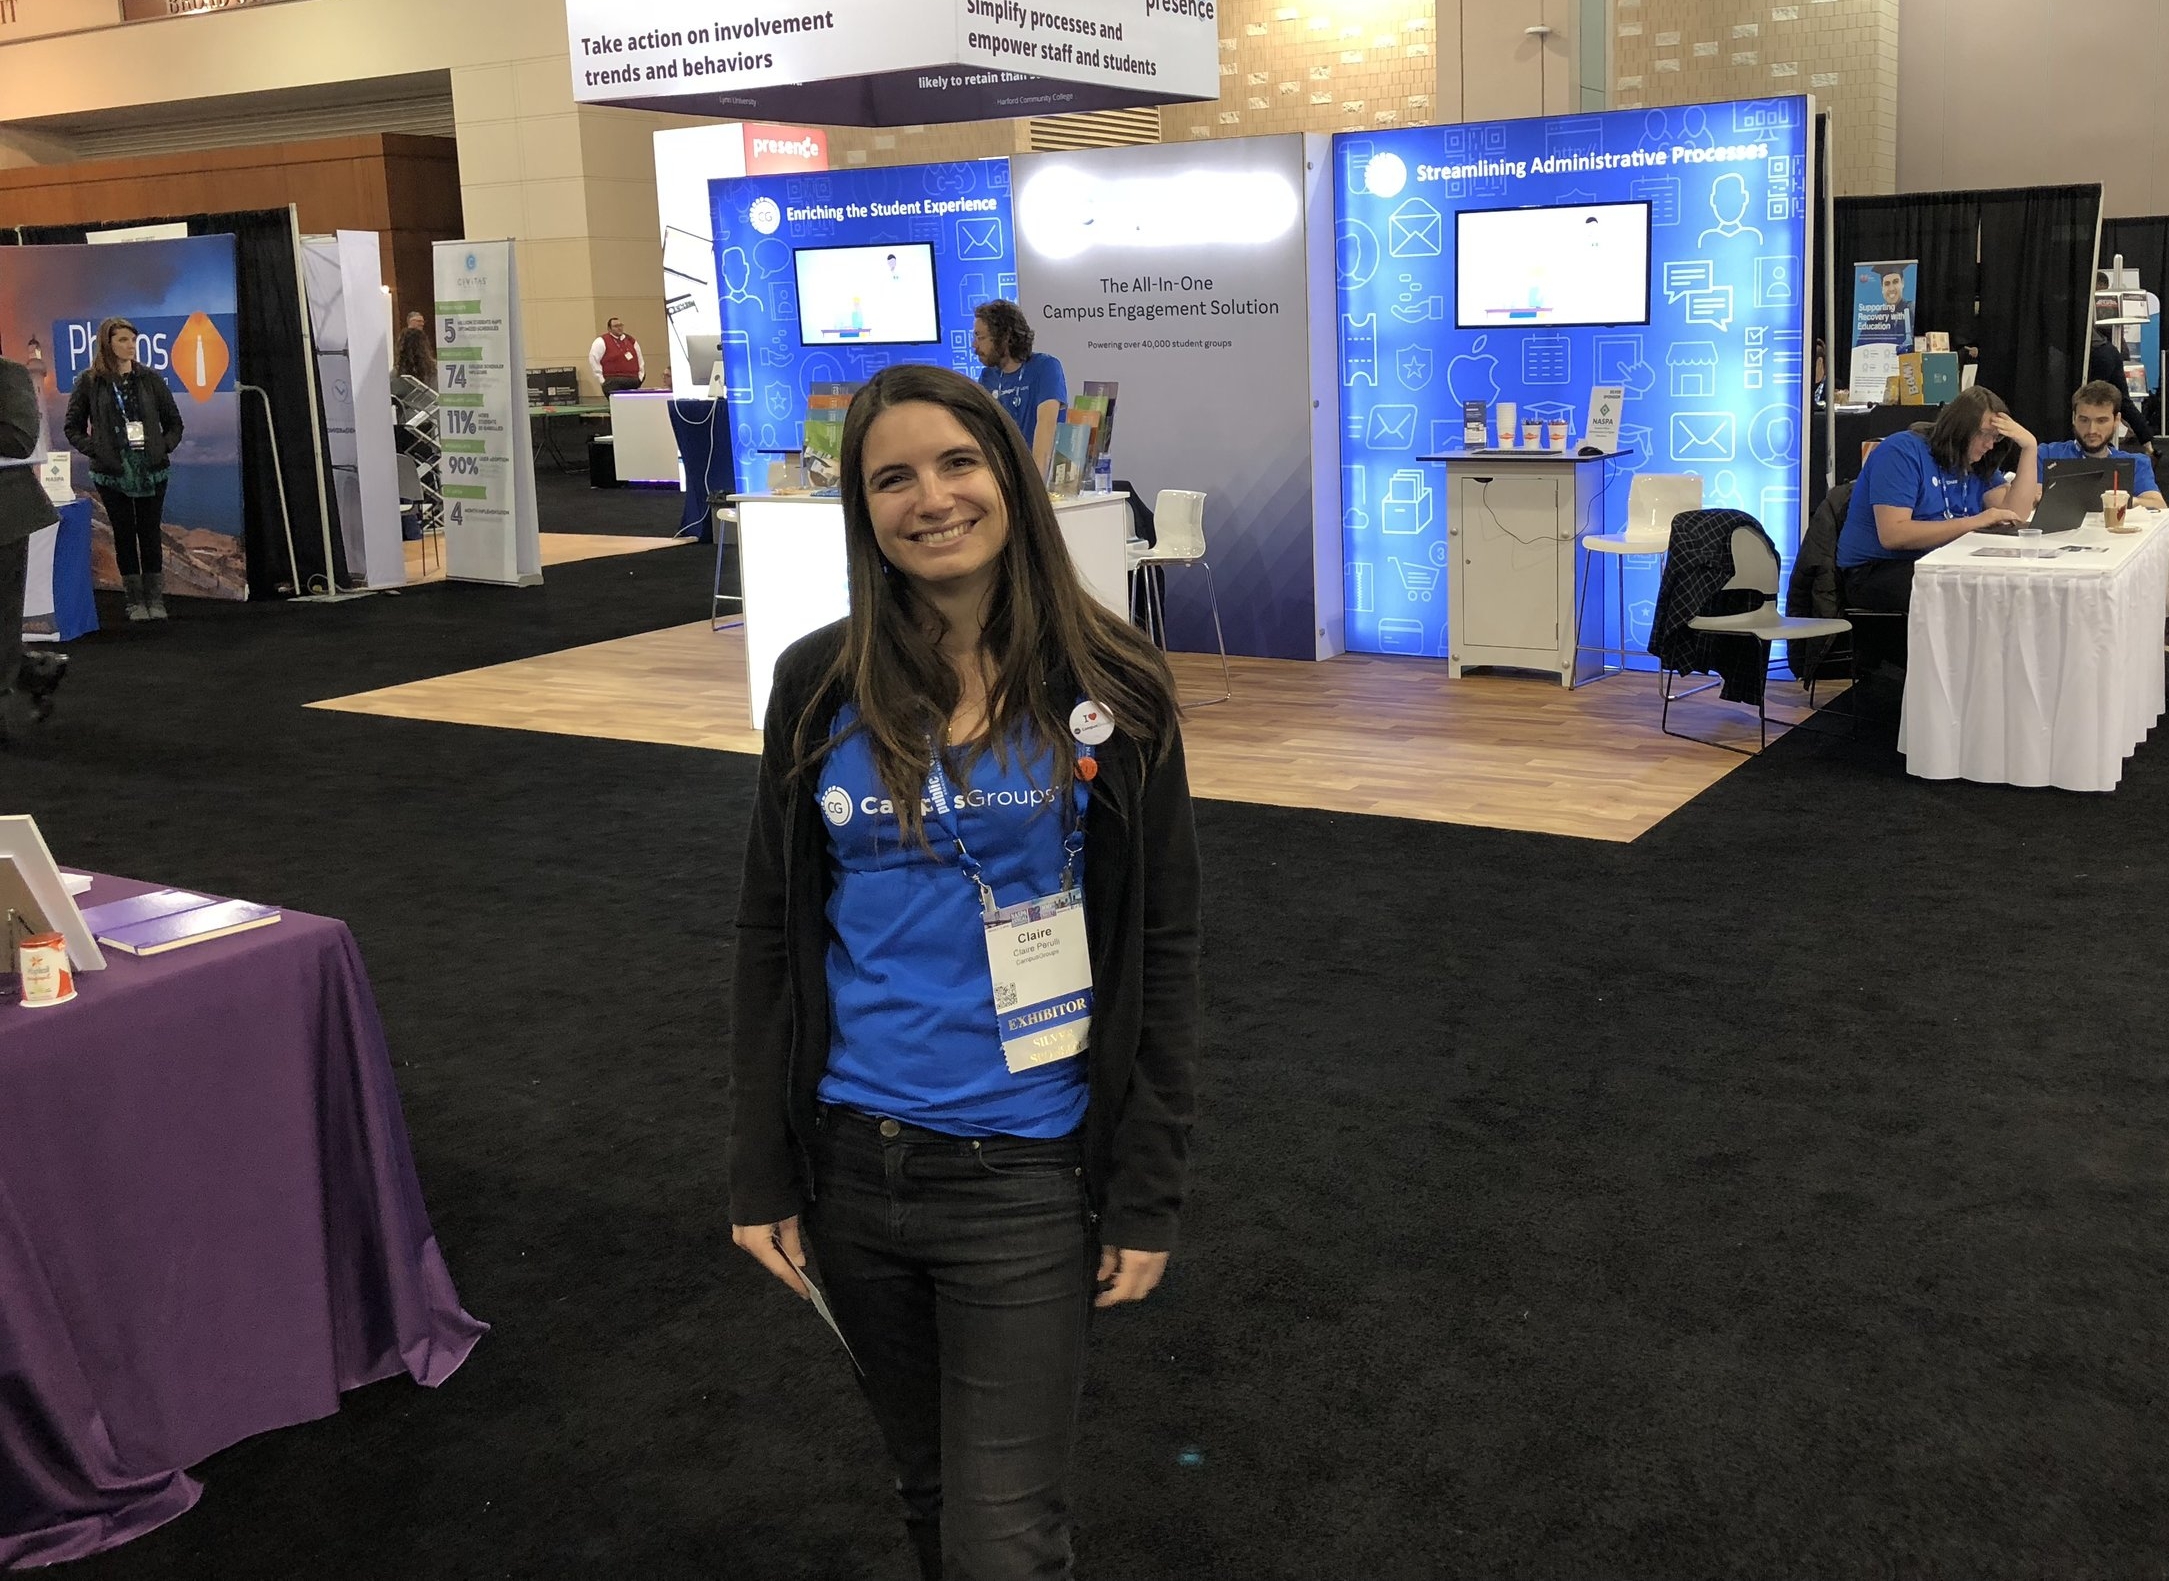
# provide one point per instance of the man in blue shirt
(1018, 377)
(2093, 425)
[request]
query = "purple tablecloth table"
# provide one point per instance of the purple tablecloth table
(210, 1225)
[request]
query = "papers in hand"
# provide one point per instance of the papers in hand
(820, 1305)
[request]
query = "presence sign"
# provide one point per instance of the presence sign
(892, 62)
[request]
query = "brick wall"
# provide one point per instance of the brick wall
(1844, 52)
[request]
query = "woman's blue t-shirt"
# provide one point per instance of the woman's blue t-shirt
(911, 999)
(1903, 471)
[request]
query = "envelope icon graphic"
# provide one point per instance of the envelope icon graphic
(1703, 436)
(1414, 230)
(1392, 428)
(978, 238)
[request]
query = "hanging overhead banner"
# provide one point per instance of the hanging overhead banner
(892, 62)
(490, 531)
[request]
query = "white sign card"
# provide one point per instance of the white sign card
(1602, 429)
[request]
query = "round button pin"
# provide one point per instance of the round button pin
(1089, 723)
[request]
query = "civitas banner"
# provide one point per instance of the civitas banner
(893, 62)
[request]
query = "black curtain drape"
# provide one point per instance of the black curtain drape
(2037, 277)
(273, 356)
(2010, 272)
(2144, 246)
(1940, 230)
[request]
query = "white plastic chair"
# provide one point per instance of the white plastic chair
(1754, 568)
(1179, 521)
(1653, 500)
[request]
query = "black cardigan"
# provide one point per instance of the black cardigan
(1141, 922)
(96, 427)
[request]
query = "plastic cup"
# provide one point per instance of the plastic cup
(2114, 503)
(2029, 543)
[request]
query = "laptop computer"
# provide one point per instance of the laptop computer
(2123, 468)
(2064, 504)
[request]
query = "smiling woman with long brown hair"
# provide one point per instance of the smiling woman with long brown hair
(966, 983)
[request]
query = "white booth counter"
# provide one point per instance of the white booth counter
(796, 579)
(645, 444)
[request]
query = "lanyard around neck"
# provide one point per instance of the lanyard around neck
(943, 802)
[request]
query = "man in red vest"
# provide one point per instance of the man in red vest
(615, 359)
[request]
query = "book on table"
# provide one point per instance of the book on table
(167, 919)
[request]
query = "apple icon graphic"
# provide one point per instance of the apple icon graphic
(1470, 377)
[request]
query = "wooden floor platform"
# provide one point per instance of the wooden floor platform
(1358, 734)
(558, 548)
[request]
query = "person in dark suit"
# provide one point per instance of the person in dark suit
(26, 688)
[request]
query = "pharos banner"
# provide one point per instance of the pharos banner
(180, 297)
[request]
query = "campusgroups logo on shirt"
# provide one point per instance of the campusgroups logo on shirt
(882, 807)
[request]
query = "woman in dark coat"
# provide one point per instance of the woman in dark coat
(122, 416)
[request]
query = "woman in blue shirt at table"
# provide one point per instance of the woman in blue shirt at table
(1918, 492)
(974, 1099)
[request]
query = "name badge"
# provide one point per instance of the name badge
(1042, 971)
(135, 436)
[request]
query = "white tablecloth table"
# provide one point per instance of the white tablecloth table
(2037, 672)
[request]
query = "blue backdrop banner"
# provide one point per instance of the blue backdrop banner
(1715, 380)
(961, 211)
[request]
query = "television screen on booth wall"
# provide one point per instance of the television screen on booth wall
(867, 296)
(1584, 263)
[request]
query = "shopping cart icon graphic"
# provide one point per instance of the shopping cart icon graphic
(1418, 581)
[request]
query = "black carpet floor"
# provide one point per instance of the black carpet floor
(567, 502)
(1779, 1196)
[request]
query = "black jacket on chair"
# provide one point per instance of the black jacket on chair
(96, 427)
(1696, 570)
(1812, 591)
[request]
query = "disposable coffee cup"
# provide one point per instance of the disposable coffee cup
(1532, 434)
(2114, 503)
(1557, 434)
(2029, 543)
(1507, 430)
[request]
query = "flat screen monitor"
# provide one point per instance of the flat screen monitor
(701, 352)
(867, 296)
(1583, 263)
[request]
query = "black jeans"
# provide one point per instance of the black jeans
(1878, 585)
(135, 528)
(962, 1273)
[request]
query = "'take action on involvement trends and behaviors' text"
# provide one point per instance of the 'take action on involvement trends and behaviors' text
(688, 38)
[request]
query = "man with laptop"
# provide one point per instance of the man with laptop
(2094, 412)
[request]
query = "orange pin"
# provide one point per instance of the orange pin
(1088, 769)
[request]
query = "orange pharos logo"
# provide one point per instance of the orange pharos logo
(199, 357)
